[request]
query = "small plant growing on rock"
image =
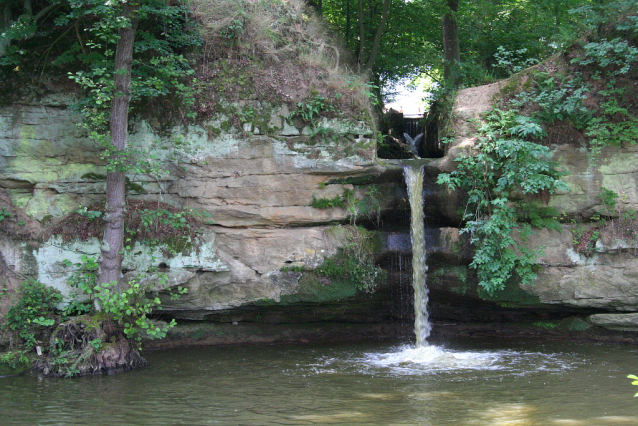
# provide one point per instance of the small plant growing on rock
(4, 213)
(34, 313)
(311, 108)
(353, 262)
(90, 214)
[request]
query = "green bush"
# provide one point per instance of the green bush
(505, 168)
(14, 362)
(35, 311)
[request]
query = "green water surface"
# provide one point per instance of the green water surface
(484, 383)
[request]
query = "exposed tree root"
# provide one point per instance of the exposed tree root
(89, 345)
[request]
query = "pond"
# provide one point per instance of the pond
(460, 382)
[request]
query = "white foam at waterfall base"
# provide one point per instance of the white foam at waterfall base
(434, 358)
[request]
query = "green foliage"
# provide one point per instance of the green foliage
(316, 288)
(328, 203)
(97, 344)
(351, 205)
(369, 206)
(545, 325)
(324, 134)
(635, 382)
(609, 199)
(80, 37)
(369, 89)
(615, 57)
(311, 108)
(410, 41)
(578, 325)
(4, 213)
(615, 126)
(14, 362)
(35, 311)
(505, 168)
(159, 68)
(345, 266)
(615, 221)
(607, 60)
(235, 29)
(130, 307)
(90, 214)
(82, 282)
(540, 216)
(160, 227)
(354, 261)
(512, 61)
(609, 116)
(496, 37)
(150, 218)
(560, 100)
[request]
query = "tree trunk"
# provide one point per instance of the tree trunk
(347, 33)
(362, 35)
(451, 48)
(377, 38)
(112, 243)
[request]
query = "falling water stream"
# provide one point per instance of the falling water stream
(414, 181)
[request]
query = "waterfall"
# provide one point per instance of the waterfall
(414, 182)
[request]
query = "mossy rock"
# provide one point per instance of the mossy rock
(512, 294)
(314, 288)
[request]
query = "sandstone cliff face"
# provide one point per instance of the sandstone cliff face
(602, 276)
(252, 183)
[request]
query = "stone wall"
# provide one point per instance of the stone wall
(252, 182)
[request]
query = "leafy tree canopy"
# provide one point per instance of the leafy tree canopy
(495, 36)
(53, 37)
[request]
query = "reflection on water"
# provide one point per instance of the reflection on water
(457, 383)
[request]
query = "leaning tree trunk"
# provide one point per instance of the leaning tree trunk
(451, 48)
(112, 243)
(374, 52)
